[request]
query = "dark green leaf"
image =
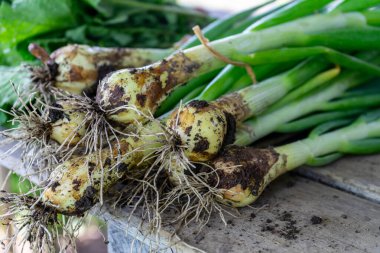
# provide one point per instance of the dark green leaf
(121, 38)
(78, 35)
(27, 18)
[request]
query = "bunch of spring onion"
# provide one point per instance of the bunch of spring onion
(77, 69)
(304, 62)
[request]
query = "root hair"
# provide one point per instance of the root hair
(153, 195)
(36, 224)
(31, 135)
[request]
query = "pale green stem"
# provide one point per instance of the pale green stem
(274, 37)
(298, 153)
(263, 125)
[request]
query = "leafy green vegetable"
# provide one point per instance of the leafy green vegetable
(23, 19)
(54, 23)
(15, 76)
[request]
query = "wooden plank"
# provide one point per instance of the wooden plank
(12, 162)
(359, 175)
(120, 241)
(282, 221)
(350, 224)
(129, 230)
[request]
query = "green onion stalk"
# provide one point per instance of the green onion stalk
(125, 95)
(262, 125)
(339, 109)
(244, 172)
(297, 9)
(292, 11)
(78, 69)
(157, 140)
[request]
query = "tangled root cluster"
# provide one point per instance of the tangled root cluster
(165, 187)
(26, 217)
(30, 223)
(172, 191)
(30, 136)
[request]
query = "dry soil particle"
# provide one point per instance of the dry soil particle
(201, 143)
(141, 99)
(229, 137)
(316, 220)
(54, 185)
(116, 94)
(103, 71)
(56, 113)
(76, 184)
(86, 201)
(287, 230)
(254, 165)
(198, 104)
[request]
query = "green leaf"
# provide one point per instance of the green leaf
(24, 19)
(118, 18)
(93, 3)
(18, 76)
(98, 32)
(101, 7)
(121, 38)
(3, 118)
(78, 35)
(19, 186)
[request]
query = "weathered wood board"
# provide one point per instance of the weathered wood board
(359, 175)
(282, 221)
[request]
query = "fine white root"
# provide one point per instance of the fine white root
(29, 222)
(31, 136)
(153, 195)
(79, 123)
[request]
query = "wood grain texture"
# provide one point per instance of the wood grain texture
(359, 175)
(349, 223)
(281, 221)
(130, 230)
(121, 242)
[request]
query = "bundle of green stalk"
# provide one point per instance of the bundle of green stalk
(77, 69)
(110, 23)
(305, 63)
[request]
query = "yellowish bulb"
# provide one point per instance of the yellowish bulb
(67, 123)
(201, 128)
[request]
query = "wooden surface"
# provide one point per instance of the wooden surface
(345, 195)
(349, 223)
(282, 222)
(359, 175)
